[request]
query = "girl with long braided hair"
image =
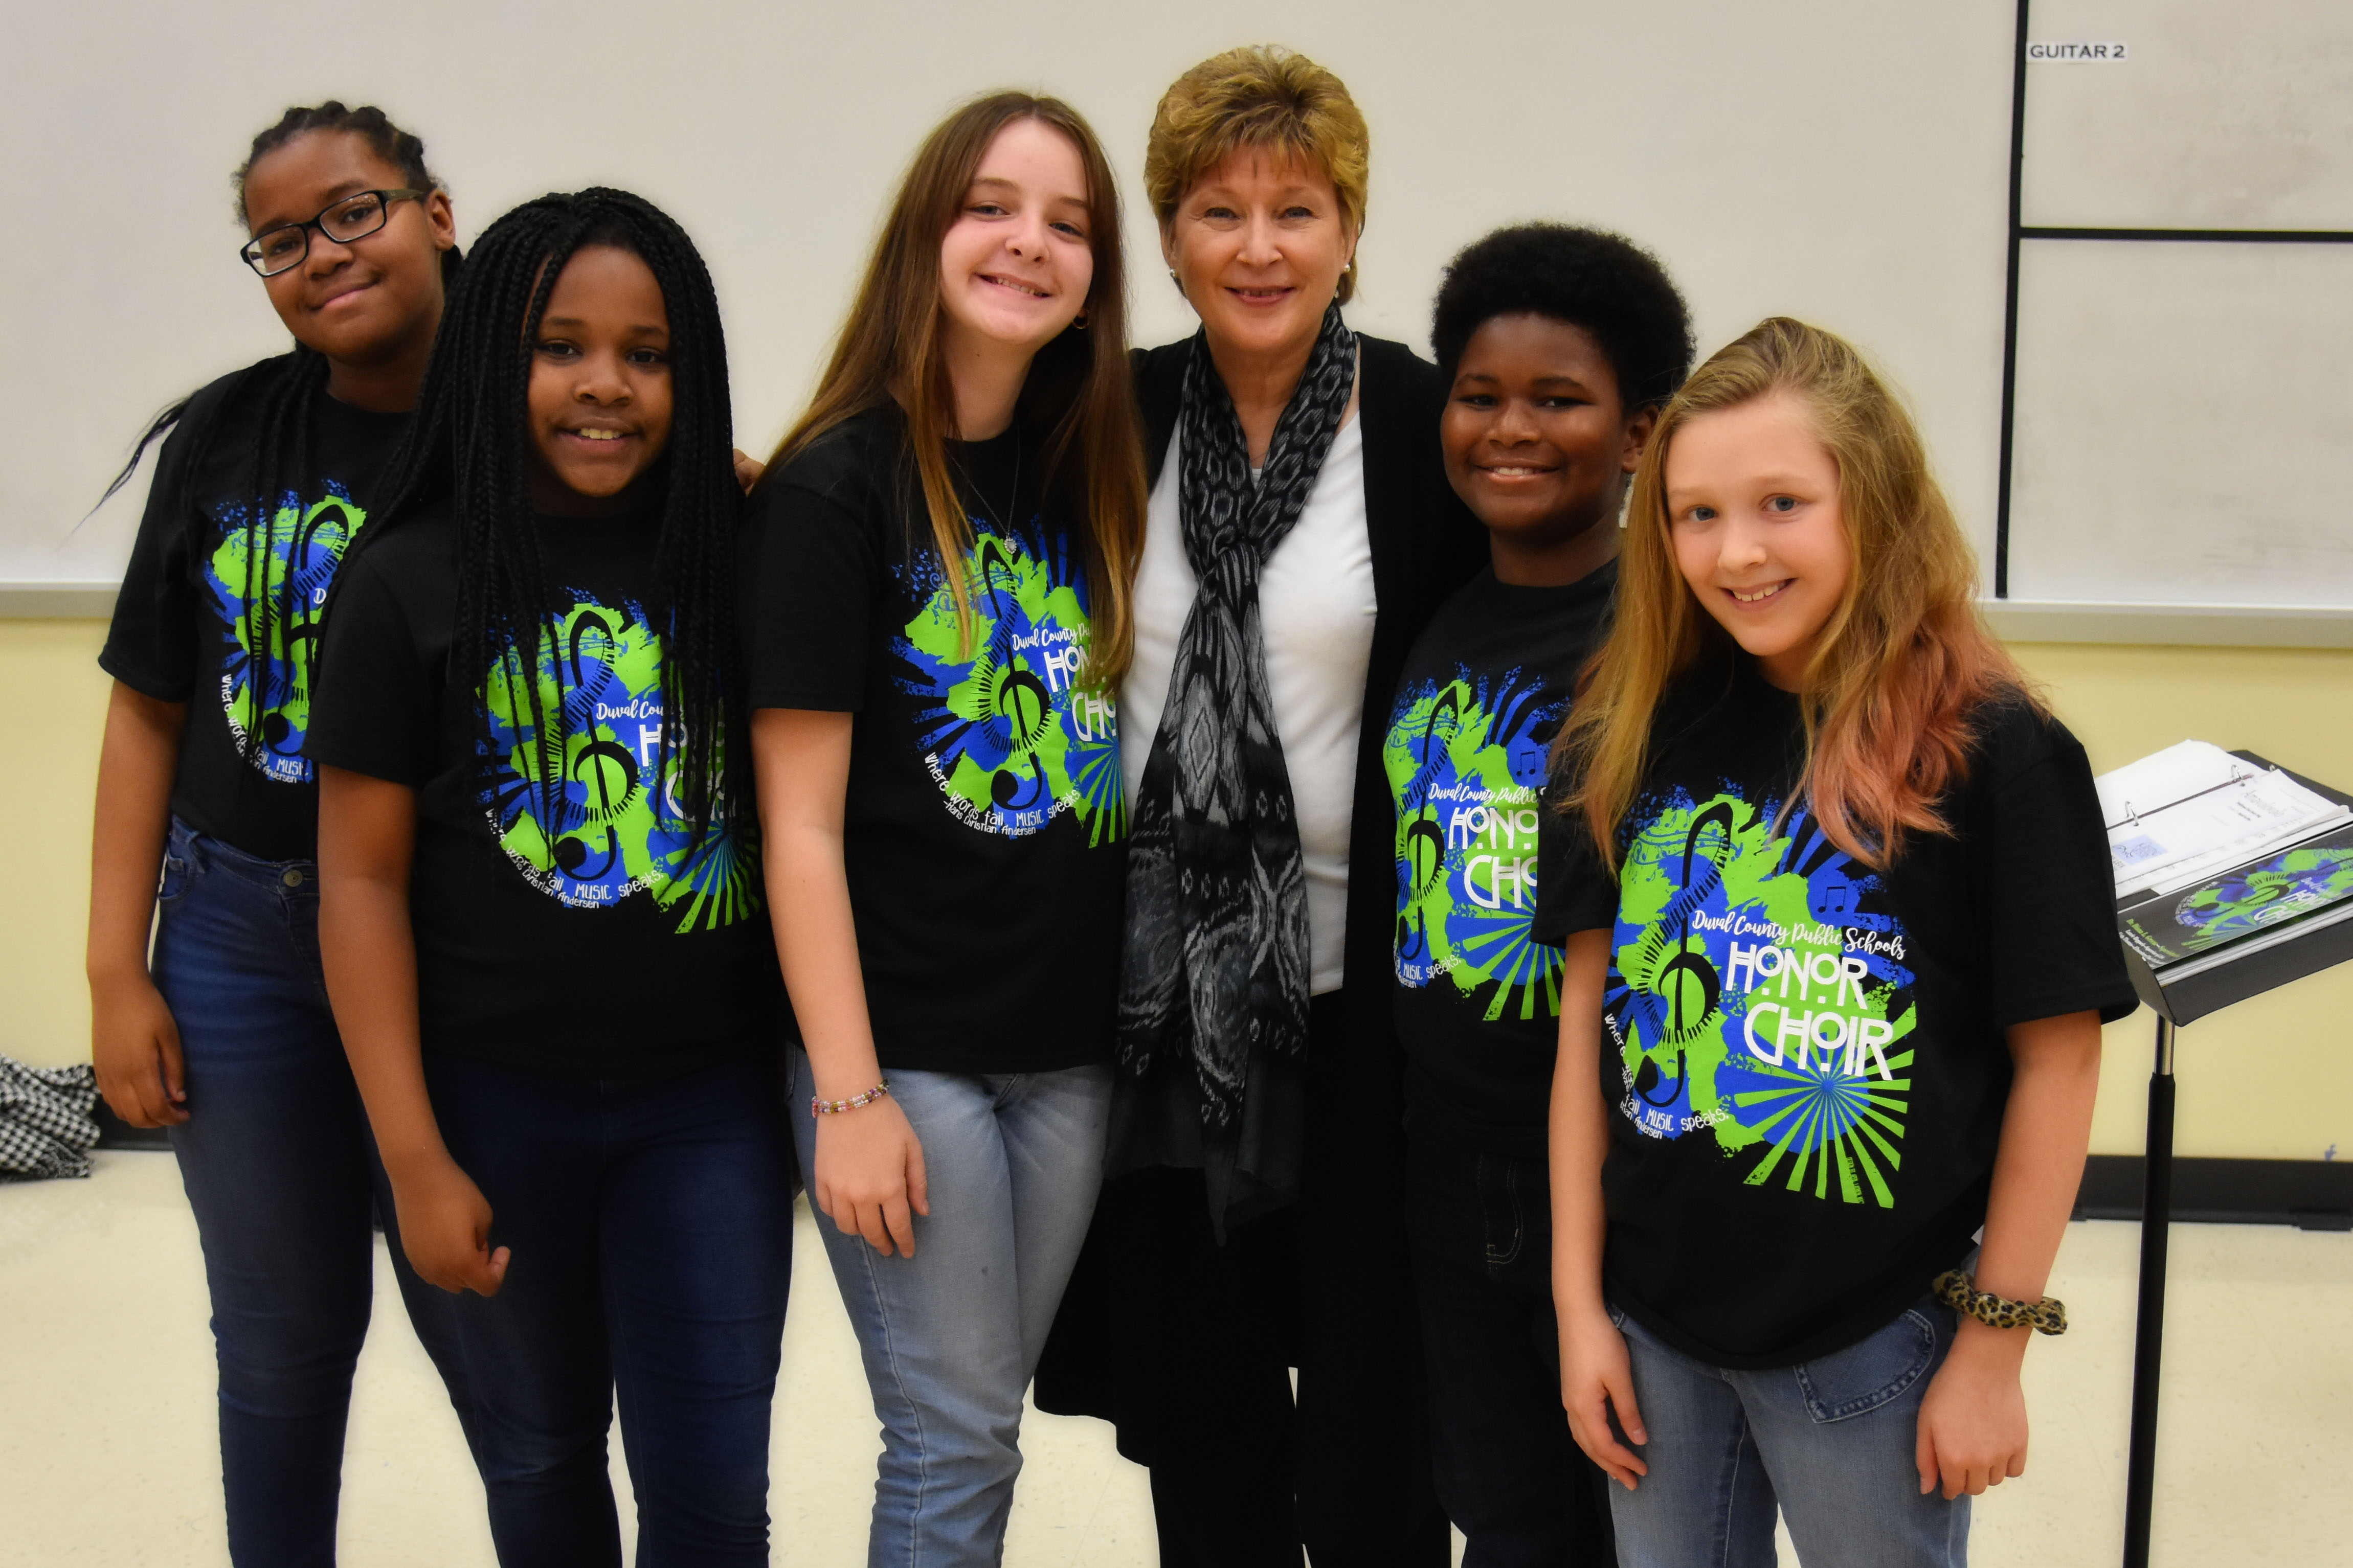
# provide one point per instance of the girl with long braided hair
(541, 913)
(936, 574)
(266, 478)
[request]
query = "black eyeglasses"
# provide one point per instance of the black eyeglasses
(355, 216)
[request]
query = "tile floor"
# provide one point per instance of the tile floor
(107, 1457)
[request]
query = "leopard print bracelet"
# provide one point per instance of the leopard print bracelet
(1959, 1292)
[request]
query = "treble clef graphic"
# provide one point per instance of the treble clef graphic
(580, 629)
(1006, 788)
(1020, 699)
(990, 557)
(596, 764)
(595, 755)
(572, 854)
(1424, 831)
(298, 636)
(1422, 835)
(1688, 967)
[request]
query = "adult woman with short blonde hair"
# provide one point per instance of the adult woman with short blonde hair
(1300, 531)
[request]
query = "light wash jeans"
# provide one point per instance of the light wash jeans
(951, 1335)
(1830, 1440)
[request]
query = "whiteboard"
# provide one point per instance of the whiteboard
(2185, 427)
(2184, 415)
(2225, 114)
(1843, 160)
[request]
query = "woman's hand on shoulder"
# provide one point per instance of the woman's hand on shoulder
(1973, 1418)
(1596, 1378)
(445, 1229)
(870, 1174)
(134, 1043)
(748, 469)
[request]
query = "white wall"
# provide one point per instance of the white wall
(1842, 160)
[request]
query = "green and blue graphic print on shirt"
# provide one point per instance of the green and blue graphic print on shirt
(1758, 996)
(1007, 727)
(611, 823)
(1465, 760)
(266, 677)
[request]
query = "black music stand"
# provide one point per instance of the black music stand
(2179, 993)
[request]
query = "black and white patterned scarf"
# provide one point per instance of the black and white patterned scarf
(1217, 963)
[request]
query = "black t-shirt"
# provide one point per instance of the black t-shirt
(609, 943)
(1805, 1057)
(984, 817)
(1478, 1001)
(188, 631)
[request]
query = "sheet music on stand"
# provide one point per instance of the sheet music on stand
(2233, 877)
(2182, 815)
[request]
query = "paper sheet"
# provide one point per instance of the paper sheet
(2193, 809)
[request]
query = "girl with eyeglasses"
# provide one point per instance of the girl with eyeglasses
(222, 1033)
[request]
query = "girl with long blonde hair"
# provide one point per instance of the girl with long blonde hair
(1834, 892)
(935, 620)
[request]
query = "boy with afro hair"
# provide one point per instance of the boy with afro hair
(1561, 344)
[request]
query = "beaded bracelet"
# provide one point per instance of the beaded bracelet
(835, 1107)
(1959, 1292)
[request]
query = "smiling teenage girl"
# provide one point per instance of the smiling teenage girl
(228, 1040)
(1848, 932)
(936, 618)
(541, 904)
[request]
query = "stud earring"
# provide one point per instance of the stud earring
(1178, 281)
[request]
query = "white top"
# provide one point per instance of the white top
(1316, 606)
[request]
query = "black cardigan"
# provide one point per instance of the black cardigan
(1354, 1319)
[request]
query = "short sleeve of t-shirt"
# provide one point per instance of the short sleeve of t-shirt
(1803, 1048)
(376, 707)
(1574, 891)
(982, 814)
(810, 561)
(2043, 849)
(577, 929)
(151, 643)
(221, 604)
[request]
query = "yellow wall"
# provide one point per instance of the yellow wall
(2269, 1079)
(52, 709)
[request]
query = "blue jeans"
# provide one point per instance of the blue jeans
(278, 1168)
(651, 1224)
(1509, 1474)
(951, 1335)
(1830, 1440)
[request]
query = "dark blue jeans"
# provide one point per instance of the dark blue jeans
(278, 1168)
(651, 1228)
(1509, 1475)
